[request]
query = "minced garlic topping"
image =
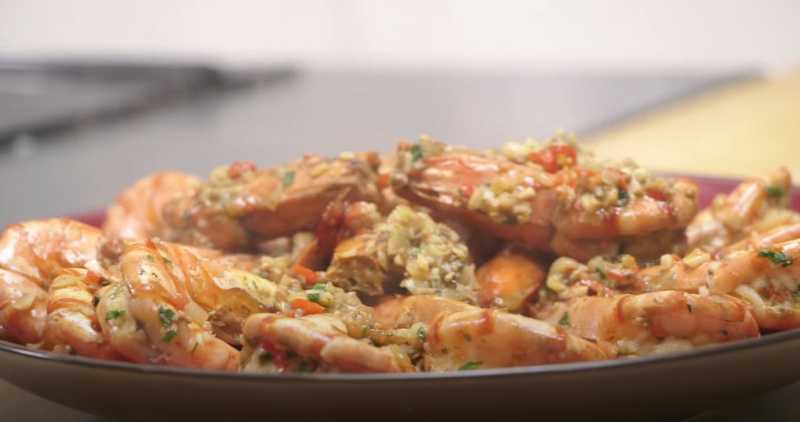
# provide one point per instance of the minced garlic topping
(427, 257)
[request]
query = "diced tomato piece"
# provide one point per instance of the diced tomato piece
(555, 157)
(308, 307)
(618, 275)
(239, 168)
(566, 155)
(93, 278)
(383, 180)
(657, 194)
(309, 275)
(545, 159)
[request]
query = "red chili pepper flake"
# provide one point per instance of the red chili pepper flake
(618, 275)
(92, 277)
(555, 157)
(657, 194)
(383, 180)
(308, 307)
(238, 168)
(308, 274)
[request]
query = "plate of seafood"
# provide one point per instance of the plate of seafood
(531, 278)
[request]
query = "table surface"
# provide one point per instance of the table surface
(328, 111)
(740, 129)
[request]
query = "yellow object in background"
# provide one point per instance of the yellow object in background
(742, 129)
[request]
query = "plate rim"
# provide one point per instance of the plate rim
(518, 371)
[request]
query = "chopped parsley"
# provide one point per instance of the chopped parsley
(171, 334)
(197, 343)
(470, 366)
(166, 316)
(114, 314)
(565, 320)
(288, 179)
(416, 153)
(775, 192)
(314, 297)
(796, 295)
(422, 334)
(777, 258)
(624, 197)
(150, 258)
(319, 286)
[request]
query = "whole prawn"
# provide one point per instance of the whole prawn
(32, 254)
(554, 199)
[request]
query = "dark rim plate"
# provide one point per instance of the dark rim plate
(552, 369)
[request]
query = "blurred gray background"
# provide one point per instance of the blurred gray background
(324, 112)
(364, 73)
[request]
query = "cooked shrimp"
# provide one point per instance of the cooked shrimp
(756, 240)
(655, 322)
(768, 277)
(131, 328)
(568, 278)
(241, 205)
(460, 336)
(41, 249)
(124, 332)
(429, 175)
(557, 196)
(202, 289)
(405, 311)
(339, 221)
(72, 323)
(178, 340)
(165, 291)
(763, 273)
(317, 343)
(756, 205)
(23, 308)
(172, 300)
(483, 338)
(409, 249)
(509, 281)
(390, 200)
(31, 255)
(137, 212)
(648, 247)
